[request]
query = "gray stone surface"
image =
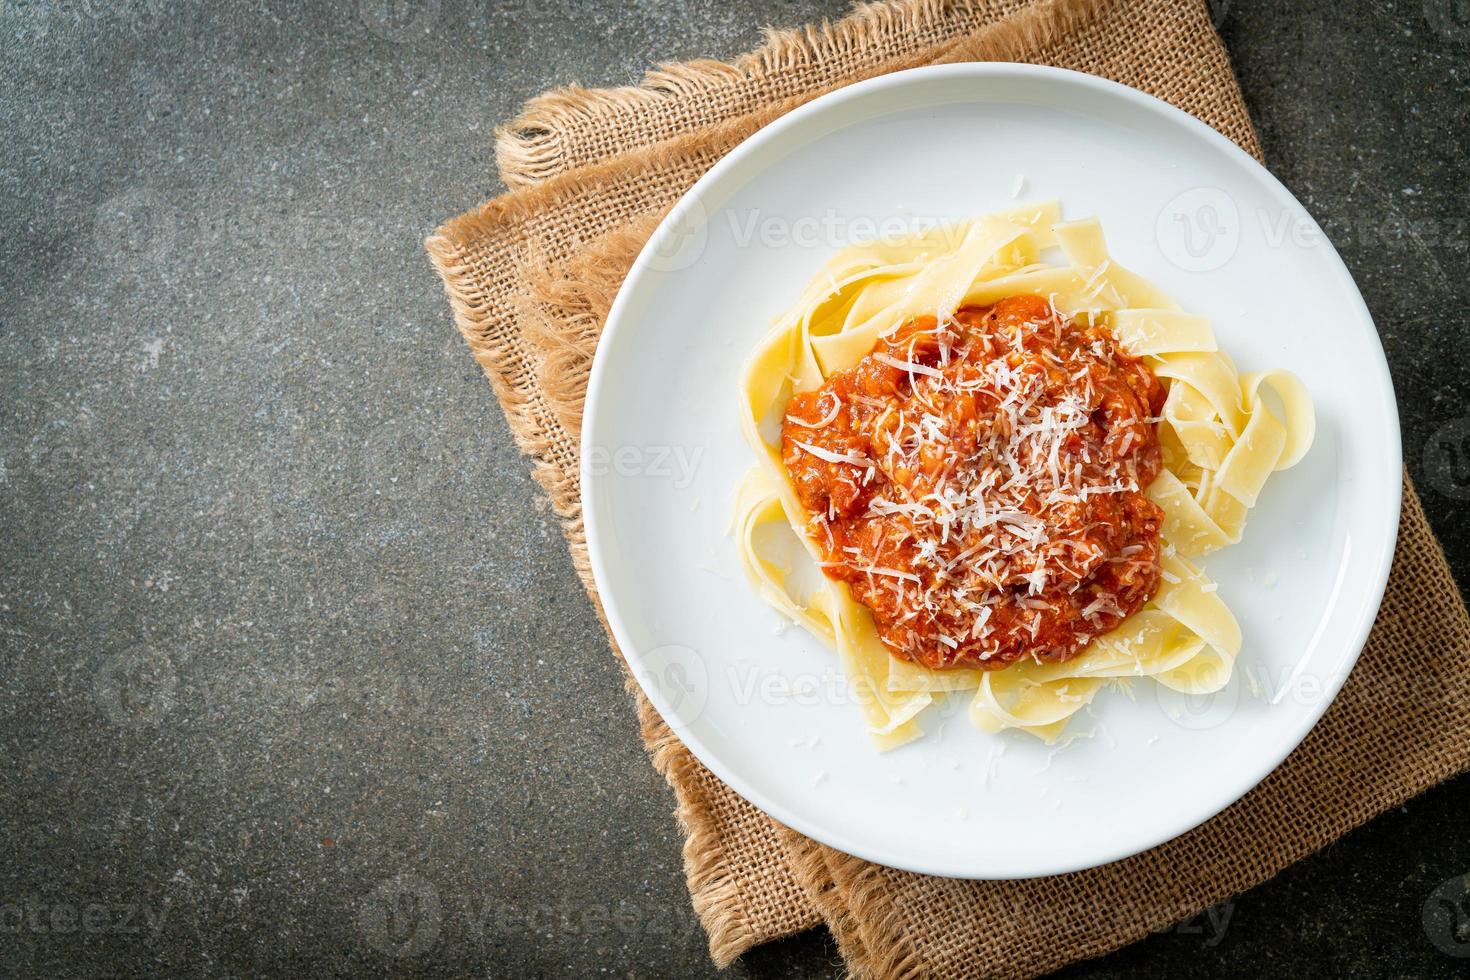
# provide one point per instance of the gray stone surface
(295, 676)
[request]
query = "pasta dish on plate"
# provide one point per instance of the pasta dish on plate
(998, 468)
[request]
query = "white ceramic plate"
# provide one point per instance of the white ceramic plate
(761, 705)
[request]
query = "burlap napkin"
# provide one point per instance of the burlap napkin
(531, 275)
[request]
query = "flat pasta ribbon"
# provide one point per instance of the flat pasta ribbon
(1221, 440)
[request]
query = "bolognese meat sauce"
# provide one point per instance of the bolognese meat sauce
(979, 484)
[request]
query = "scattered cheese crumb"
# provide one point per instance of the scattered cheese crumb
(1253, 683)
(988, 770)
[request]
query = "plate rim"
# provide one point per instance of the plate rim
(589, 480)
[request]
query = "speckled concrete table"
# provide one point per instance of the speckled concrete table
(280, 600)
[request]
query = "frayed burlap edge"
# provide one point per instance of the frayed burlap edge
(584, 296)
(715, 896)
(858, 926)
(819, 868)
(714, 893)
(529, 148)
(713, 890)
(854, 897)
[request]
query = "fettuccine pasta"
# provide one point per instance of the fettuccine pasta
(1219, 439)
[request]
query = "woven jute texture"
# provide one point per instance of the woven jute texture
(531, 275)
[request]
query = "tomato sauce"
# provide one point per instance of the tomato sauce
(979, 484)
